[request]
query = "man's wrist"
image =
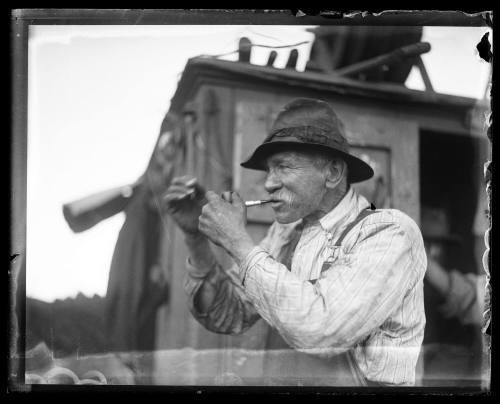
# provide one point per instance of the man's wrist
(241, 250)
(201, 259)
(255, 255)
(198, 273)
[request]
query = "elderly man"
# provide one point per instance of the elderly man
(336, 280)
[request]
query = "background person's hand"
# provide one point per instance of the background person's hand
(184, 200)
(435, 274)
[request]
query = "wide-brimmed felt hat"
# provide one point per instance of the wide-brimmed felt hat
(309, 124)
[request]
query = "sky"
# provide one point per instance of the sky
(96, 99)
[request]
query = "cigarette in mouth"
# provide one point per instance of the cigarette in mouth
(259, 202)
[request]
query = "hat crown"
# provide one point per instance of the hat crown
(311, 117)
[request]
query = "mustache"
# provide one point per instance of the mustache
(284, 197)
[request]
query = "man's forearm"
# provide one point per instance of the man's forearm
(200, 254)
(215, 296)
(202, 258)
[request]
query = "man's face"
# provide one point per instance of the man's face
(296, 185)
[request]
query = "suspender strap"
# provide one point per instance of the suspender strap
(361, 216)
(287, 253)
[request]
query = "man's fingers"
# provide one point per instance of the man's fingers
(173, 206)
(186, 180)
(202, 225)
(204, 229)
(180, 189)
(182, 179)
(175, 195)
(199, 191)
(227, 196)
(191, 182)
(236, 199)
(211, 196)
(177, 188)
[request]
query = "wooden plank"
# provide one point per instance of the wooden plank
(238, 73)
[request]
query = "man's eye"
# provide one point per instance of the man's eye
(278, 168)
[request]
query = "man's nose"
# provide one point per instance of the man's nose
(272, 183)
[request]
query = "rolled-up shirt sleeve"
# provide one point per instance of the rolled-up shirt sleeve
(231, 311)
(352, 298)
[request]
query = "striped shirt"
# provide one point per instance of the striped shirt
(364, 299)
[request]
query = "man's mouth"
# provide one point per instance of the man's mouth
(276, 202)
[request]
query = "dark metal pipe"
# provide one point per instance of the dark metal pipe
(272, 57)
(292, 59)
(244, 50)
(395, 56)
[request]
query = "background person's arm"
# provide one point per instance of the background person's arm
(462, 294)
(437, 276)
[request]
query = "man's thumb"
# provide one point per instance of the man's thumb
(237, 201)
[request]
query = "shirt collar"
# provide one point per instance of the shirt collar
(346, 210)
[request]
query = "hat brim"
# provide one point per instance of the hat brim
(358, 169)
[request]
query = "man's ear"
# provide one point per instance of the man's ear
(335, 173)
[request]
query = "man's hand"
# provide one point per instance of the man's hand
(184, 200)
(223, 221)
